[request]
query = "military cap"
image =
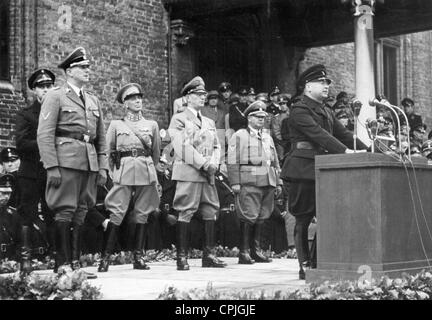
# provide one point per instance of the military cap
(426, 148)
(76, 58)
(284, 97)
(234, 99)
(196, 85)
(420, 127)
(406, 102)
(39, 77)
(212, 94)
(316, 72)
(274, 91)
(251, 91)
(8, 154)
(341, 114)
(224, 86)
(262, 96)
(256, 108)
(127, 91)
(6, 182)
(243, 91)
(274, 109)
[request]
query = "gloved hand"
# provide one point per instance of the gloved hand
(278, 191)
(236, 188)
(211, 170)
(53, 177)
(102, 177)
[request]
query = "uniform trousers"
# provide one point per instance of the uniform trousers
(254, 204)
(145, 200)
(77, 188)
(191, 197)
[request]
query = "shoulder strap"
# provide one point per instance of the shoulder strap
(145, 146)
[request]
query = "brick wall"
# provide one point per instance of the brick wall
(10, 103)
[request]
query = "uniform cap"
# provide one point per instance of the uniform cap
(262, 96)
(243, 91)
(426, 148)
(274, 91)
(316, 72)
(251, 91)
(39, 77)
(127, 91)
(224, 86)
(234, 99)
(196, 85)
(256, 108)
(76, 58)
(212, 94)
(6, 182)
(420, 127)
(284, 97)
(8, 154)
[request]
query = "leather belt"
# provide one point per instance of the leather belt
(267, 163)
(135, 153)
(75, 135)
(305, 145)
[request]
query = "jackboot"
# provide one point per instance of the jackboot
(26, 266)
(209, 259)
(244, 254)
(140, 236)
(76, 251)
(63, 246)
(182, 244)
(111, 240)
(302, 247)
(256, 251)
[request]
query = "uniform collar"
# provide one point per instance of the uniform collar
(254, 132)
(75, 88)
(313, 103)
(194, 112)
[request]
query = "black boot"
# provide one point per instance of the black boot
(140, 236)
(182, 244)
(76, 251)
(256, 251)
(26, 266)
(302, 246)
(63, 253)
(209, 259)
(111, 240)
(244, 254)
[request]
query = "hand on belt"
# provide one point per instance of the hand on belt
(305, 145)
(135, 153)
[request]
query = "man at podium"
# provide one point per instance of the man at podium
(314, 130)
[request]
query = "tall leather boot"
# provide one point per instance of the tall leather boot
(140, 235)
(244, 254)
(302, 248)
(182, 244)
(26, 266)
(76, 251)
(111, 240)
(63, 253)
(209, 259)
(256, 251)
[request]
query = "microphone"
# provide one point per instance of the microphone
(356, 106)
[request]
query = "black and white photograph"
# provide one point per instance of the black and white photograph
(222, 153)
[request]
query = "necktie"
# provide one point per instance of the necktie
(82, 97)
(199, 117)
(259, 134)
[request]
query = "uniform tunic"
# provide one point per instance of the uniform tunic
(253, 163)
(63, 113)
(136, 177)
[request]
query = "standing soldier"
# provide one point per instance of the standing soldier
(197, 154)
(134, 145)
(71, 140)
(253, 171)
(313, 130)
(31, 173)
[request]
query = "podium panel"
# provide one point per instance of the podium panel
(374, 217)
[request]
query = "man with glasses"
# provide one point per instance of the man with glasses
(71, 140)
(196, 160)
(31, 173)
(253, 172)
(313, 130)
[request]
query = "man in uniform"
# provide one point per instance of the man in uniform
(135, 144)
(414, 119)
(313, 130)
(253, 171)
(11, 162)
(31, 173)
(71, 140)
(197, 154)
(225, 91)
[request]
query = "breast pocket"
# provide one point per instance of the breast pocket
(71, 114)
(122, 139)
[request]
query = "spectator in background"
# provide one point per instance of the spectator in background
(342, 103)
(251, 95)
(418, 134)
(225, 92)
(282, 146)
(11, 162)
(414, 120)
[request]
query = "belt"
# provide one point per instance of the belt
(135, 153)
(39, 250)
(263, 163)
(305, 145)
(76, 135)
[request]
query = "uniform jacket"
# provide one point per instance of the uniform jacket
(195, 144)
(252, 160)
(134, 171)
(63, 111)
(315, 123)
(217, 114)
(26, 132)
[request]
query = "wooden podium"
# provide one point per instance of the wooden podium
(368, 223)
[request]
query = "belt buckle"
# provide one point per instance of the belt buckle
(167, 206)
(41, 250)
(134, 153)
(3, 247)
(232, 207)
(86, 138)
